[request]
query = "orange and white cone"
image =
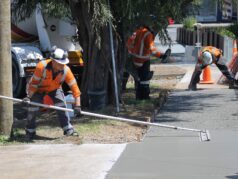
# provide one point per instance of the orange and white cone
(234, 50)
(207, 77)
(48, 101)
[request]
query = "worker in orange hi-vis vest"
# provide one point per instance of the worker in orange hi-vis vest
(47, 79)
(141, 47)
(209, 55)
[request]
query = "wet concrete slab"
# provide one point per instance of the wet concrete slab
(173, 154)
(180, 156)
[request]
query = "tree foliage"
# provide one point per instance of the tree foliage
(92, 18)
(133, 13)
(129, 12)
(22, 9)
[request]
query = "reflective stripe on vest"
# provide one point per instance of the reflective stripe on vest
(145, 82)
(36, 78)
(140, 55)
(64, 75)
(44, 74)
(72, 83)
(138, 64)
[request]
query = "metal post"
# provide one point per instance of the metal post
(198, 44)
(113, 64)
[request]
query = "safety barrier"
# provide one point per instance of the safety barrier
(233, 64)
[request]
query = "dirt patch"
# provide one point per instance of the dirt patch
(94, 130)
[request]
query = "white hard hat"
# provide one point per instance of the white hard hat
(206, 58)
(60, 56)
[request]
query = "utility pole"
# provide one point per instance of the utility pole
(6, 107)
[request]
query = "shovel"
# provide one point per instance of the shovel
(204, 135)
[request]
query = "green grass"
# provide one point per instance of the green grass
(143, 104)
(4, 139)
(130, 85)
(18, 137)
(92, 126)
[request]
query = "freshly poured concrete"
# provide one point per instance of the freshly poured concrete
(174, 154)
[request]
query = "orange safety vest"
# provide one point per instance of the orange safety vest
(217, 53)
(42, 80)
(140, 45)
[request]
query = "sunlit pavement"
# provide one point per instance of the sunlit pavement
(66, 161)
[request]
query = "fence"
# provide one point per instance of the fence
(206, 38)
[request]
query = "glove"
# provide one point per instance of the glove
(165, 56)
(26, 100)
(77, 110)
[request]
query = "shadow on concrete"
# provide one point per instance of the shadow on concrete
(233, 176)
(185, 103)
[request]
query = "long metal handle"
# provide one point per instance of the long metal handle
(103, 116)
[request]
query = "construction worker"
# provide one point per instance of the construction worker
(47, 79)
(207, 56)
(141, 47)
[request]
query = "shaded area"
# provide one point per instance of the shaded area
(183, 103)
(233, 176)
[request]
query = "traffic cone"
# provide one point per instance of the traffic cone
(234, 50)
(232, 65)
(48, 101)
(207, 79)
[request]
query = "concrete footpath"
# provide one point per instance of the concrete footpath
(66, 161)
(174, 154)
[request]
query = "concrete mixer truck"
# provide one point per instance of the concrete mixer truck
(32, 41)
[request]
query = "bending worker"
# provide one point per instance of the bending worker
(140, 47)
(209, 55)
(47, 79)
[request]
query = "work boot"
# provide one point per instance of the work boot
(70, 132)
(30, 135)
(192, 88)
(233, 84)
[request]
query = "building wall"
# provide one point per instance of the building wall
(207, 11)
(211, 11)
(227, 10)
